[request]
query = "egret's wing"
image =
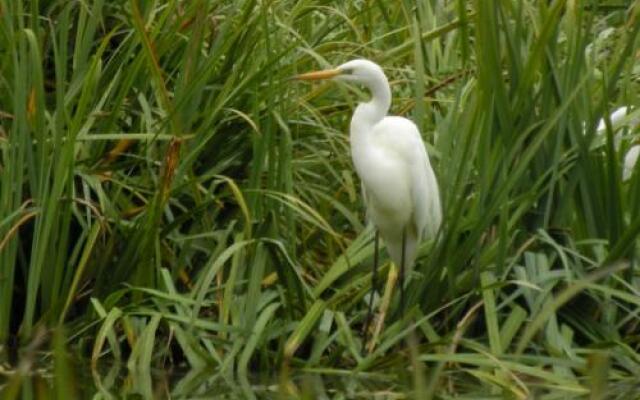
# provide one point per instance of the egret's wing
(426, 193)
(401, 136)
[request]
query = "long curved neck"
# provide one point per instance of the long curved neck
(370, 113)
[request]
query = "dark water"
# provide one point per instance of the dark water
(48, 378)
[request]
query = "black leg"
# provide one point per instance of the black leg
(374, 281)
(402, 262)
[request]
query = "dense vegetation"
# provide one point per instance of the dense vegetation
(170, 199)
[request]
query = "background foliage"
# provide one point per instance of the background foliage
(171, 198)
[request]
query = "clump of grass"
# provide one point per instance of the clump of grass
(169, 196)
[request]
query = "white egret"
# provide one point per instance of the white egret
(621, 118)
(630, 160)
(617, 120)
(399, 186)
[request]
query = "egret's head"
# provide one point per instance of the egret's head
(358, 71)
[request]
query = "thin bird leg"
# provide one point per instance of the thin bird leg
(402, 262)
(374, 284)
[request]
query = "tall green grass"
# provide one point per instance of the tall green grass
(170, 197)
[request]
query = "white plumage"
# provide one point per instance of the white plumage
(619, 119)
(630, 160)
(616, 117)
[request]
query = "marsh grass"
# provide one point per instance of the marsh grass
(171, 198)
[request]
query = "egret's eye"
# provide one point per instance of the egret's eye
(347, 71)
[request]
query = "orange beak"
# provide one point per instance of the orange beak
(317, 75)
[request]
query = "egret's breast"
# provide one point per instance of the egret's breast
(386, 180)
